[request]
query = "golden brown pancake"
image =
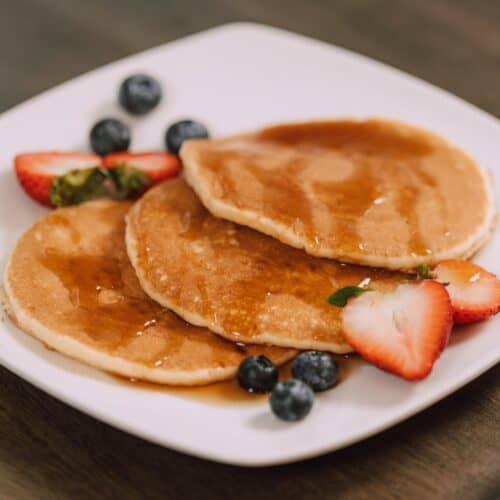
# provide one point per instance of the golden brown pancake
(373, 192)
(70, 284)
(238, 282)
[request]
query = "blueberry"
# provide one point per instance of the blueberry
(139, 94)
(317, 369)
(291, 400)
(257, 374)
(179, 132)
(109, 135)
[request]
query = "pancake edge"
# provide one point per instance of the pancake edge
(265, 338)
(283, 233)
(107, 363)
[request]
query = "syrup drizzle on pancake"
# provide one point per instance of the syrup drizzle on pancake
(69, 278)
(370, 192)
(236, 281)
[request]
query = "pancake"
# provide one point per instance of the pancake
(238, 282)
(375, 192)
(70, 284)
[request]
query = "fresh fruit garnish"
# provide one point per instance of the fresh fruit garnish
(109, 136)
(36, 171)
(342, 295)
(257, 374)
(474, 292)
(181, 131)
(291, 400)
(402, 331)
(317, 369)
(139, 94)
(159, 166)
(82, 185)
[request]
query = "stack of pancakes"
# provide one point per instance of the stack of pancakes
(241, 249)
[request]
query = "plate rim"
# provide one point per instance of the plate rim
(266, 28)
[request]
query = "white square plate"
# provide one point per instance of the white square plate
(233, 78)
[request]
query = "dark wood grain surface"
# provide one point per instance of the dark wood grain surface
(48, 450)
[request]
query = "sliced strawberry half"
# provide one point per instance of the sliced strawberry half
(159, 166)
(403, 331)
(36, 171)
(474, 292)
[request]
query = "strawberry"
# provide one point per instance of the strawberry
(36, 171)
(474, 292)
(159, 166)
(403, 331)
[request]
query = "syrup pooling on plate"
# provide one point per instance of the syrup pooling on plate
(237, 281)
(71, 273)
(361, 191)
(219, 393)
(229, 392)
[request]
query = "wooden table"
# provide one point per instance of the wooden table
(48, 450)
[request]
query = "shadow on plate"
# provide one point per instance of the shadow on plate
(463, 333)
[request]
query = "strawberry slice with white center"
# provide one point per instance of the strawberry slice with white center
(158, 165)
(403, 331)
(474, 292)
(36, 171)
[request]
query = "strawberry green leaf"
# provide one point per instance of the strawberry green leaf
(77, 186)
(342, 295)
(81, 185)
(129, 181)
(423, 272)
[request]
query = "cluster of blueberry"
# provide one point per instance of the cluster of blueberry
(291, 400)
(138, 95)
